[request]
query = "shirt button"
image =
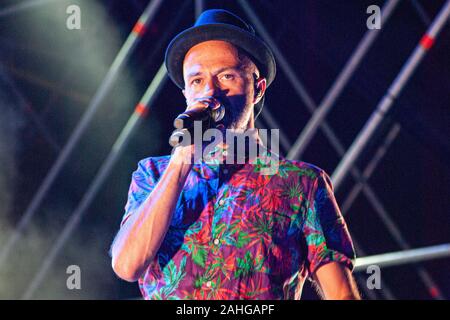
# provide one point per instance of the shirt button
(216, 241)
(221, 202)
(208, 284)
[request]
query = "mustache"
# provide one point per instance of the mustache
(235, 107)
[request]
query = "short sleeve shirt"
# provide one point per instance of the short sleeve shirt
(240, 233)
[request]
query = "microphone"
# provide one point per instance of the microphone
(185, 121)
(187, 118)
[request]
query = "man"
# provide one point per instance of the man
(227, 231)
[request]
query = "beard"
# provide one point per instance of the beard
(237, 112)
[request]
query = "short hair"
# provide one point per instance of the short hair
(247, 62)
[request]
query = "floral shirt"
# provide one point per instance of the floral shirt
(239, 234)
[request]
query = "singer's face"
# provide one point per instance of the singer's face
(217, 69)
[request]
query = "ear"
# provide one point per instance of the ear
(260, 89)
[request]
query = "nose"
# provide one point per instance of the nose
(211, 89)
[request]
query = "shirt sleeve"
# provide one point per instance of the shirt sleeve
(143, 181)
(324, 229)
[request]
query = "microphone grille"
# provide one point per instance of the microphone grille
(218, 114)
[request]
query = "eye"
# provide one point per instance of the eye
(228, 76)
(196, 81)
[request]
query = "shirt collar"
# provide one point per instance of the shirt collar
(209, 166)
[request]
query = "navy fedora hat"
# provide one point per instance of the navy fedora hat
(219, 24)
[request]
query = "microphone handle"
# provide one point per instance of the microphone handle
(177, 136)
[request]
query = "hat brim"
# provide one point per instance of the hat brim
(260, 53)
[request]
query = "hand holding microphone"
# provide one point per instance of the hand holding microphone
(207, 109)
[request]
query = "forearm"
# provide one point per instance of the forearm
(141, 236)
(336, 282)
(348, 292)
(345, 289)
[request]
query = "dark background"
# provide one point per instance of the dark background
(49, 74)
